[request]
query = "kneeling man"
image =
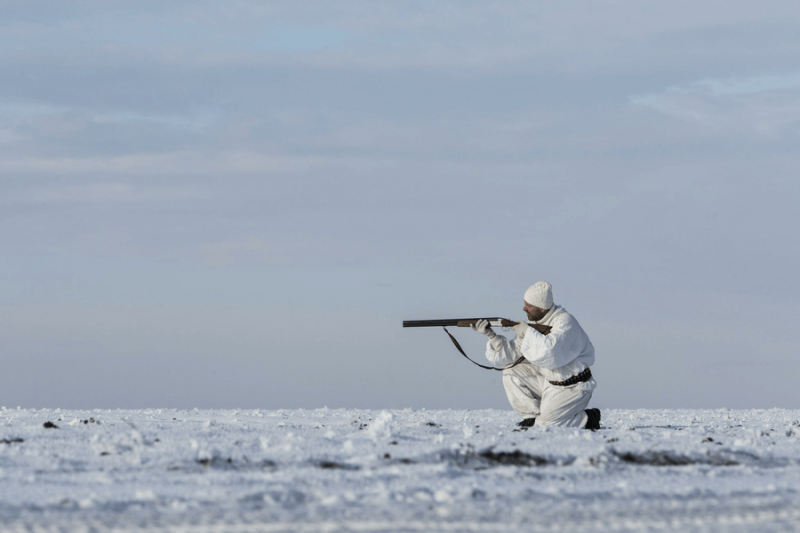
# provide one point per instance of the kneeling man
(552, 386)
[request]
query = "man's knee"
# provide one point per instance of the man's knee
(564, 410)
(550, 419)
(568, 419)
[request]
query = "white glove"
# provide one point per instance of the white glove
(482, 326)
(520, 329)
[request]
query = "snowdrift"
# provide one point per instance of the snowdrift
(400, 470)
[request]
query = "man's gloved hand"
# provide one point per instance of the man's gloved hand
(482, 326)
(520, 329)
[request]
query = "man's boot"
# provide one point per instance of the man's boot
(527, 423)
(593, 422)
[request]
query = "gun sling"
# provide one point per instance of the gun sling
(586, 375)
(458, 347)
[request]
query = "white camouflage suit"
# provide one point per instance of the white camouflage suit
(563, 353)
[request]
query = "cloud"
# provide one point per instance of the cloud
(767, 104)
(730, 86)
(572, 38)
(750, 84)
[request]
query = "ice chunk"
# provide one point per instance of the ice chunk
(145, 495)
(382, 426)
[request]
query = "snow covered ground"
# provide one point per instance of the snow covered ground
(403, 470)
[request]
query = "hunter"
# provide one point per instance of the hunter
(553, 385)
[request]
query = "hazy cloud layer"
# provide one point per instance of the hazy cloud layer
(235, 204)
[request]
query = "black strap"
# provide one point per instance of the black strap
(458, 347)
(583, 377)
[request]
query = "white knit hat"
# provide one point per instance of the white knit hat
(540, 294)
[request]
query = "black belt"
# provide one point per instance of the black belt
(586, 375)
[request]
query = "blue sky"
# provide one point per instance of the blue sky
(208, 204)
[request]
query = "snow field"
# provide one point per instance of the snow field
(398, 470)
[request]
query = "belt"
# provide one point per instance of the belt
(586, 375)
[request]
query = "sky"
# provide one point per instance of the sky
(236, 204)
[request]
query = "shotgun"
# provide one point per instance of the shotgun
(495, 322)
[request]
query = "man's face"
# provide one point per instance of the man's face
(534, 313)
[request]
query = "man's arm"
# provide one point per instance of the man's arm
(499, 350)
(562, 346)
